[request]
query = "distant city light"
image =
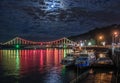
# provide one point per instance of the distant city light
(81, 44)
(89, 43)
(115, 33)
(101, 55)
(103, 43)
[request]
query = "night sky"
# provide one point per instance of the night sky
(34, 20)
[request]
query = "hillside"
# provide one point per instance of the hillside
(106, 32)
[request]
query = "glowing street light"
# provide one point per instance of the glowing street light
(100, 37)
(115, 35)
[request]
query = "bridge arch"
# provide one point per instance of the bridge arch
(58, 42)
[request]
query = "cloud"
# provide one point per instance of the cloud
(25, 18)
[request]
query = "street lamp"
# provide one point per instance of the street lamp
(115, 35)
(100, 38)
(114, 38)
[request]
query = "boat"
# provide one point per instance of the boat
(103, 62)
(85, 59)
(69, 60)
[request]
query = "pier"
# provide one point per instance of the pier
(115, 56)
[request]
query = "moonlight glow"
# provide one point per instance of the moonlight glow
(51, 5)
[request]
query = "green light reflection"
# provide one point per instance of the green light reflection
(64, 52)
(63, 70)
(17, 60)
(11, 62)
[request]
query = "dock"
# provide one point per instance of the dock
(115, 56)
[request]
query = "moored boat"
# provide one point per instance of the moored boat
(69, 60)
(103, 62)
(86, 59)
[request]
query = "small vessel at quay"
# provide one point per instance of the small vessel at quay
(69, 60)
(85, 59)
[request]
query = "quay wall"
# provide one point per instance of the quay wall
(115, 57)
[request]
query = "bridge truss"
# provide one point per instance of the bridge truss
(56, 43)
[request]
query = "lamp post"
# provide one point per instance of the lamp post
(114, 37)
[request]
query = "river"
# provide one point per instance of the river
(40, 66)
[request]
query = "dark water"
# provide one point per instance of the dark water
(42, 66)
(39, 66)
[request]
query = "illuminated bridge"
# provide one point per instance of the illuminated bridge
(20, 42)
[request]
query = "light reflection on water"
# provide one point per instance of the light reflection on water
(43, 66)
